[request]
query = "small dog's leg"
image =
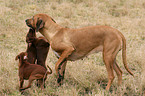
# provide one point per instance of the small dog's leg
(42, 83)
(29, 85)
(21, 83)
(37, 83)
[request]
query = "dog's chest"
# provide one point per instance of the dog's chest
(23, 75)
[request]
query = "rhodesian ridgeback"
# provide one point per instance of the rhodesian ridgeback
(28, 71)
(37, 48)
(73, 44)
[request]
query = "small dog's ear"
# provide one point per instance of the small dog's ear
(17, 57)
(39, 24)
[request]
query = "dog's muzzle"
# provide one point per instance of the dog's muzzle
(28, 24)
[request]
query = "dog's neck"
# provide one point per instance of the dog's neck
(50, 29)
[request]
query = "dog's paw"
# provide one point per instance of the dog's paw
(21, 89)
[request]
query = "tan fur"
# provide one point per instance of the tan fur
(74, 44)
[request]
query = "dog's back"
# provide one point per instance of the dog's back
(32, 69)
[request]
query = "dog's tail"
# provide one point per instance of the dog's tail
(124, 55)
(49, 72)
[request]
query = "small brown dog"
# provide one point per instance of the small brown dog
(31, 72)
(37, 48)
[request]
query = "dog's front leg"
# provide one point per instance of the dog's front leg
(61, 72)
(21, 83)
(61, 63)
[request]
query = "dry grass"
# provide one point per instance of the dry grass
(86, 77)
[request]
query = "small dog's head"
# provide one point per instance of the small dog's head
(30, 37)
(38, 21)
(22, 57)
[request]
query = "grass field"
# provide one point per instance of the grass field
(86, 77)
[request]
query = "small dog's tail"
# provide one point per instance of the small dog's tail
(49, 72)
(124, 55)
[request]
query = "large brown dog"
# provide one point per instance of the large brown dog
(37, 48)
(30, 72)
(73, 44)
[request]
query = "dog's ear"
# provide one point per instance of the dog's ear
(39, 24)
(17, 57)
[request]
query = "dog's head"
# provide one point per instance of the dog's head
(30, 37)
(22, 57)
(38, 21)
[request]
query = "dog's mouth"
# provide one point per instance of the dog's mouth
(32, 28)
(29, 25)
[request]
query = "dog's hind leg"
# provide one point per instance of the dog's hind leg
(108, 60)
(109, 55)
(115, 65)
(31, 79)
(29, 85)
(118, 72)
(41, 83)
